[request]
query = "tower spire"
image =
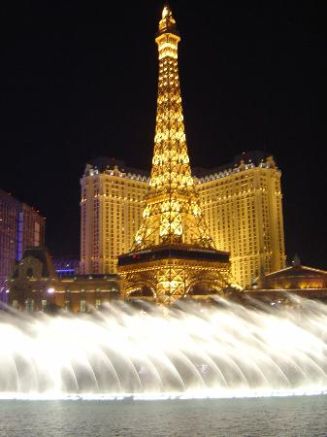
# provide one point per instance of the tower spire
(172, 213)
(167, 23)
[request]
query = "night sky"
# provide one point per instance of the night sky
(80, 81)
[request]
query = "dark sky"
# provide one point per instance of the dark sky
(79, 81)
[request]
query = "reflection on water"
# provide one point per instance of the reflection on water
(273, 417)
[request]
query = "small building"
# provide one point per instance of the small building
(303, 281)
(35, 286)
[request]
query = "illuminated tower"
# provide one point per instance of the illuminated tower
(172, 255)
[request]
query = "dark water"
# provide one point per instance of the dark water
(296, 416)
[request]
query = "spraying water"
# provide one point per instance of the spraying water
(191, 350)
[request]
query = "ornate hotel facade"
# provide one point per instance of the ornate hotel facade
(111, 208)
(241, 201)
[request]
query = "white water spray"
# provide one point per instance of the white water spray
(190, 351)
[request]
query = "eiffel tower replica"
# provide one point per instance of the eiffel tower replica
(172, 256)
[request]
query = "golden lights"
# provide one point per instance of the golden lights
(172, 211)
(172, 217)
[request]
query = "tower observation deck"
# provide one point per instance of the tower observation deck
(173, 255)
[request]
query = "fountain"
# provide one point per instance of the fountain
(186, 351)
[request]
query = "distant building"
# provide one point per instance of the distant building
(241, 201)
(20, 226)
(9, 210)
(35, 286)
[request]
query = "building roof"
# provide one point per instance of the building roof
(105, 164)
(8, 197)
(250, 159)
(296, 271)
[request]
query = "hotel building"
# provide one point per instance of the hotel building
(21, 226)
(242, 204)
(111, 206)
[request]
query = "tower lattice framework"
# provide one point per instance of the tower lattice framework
(172, 253)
